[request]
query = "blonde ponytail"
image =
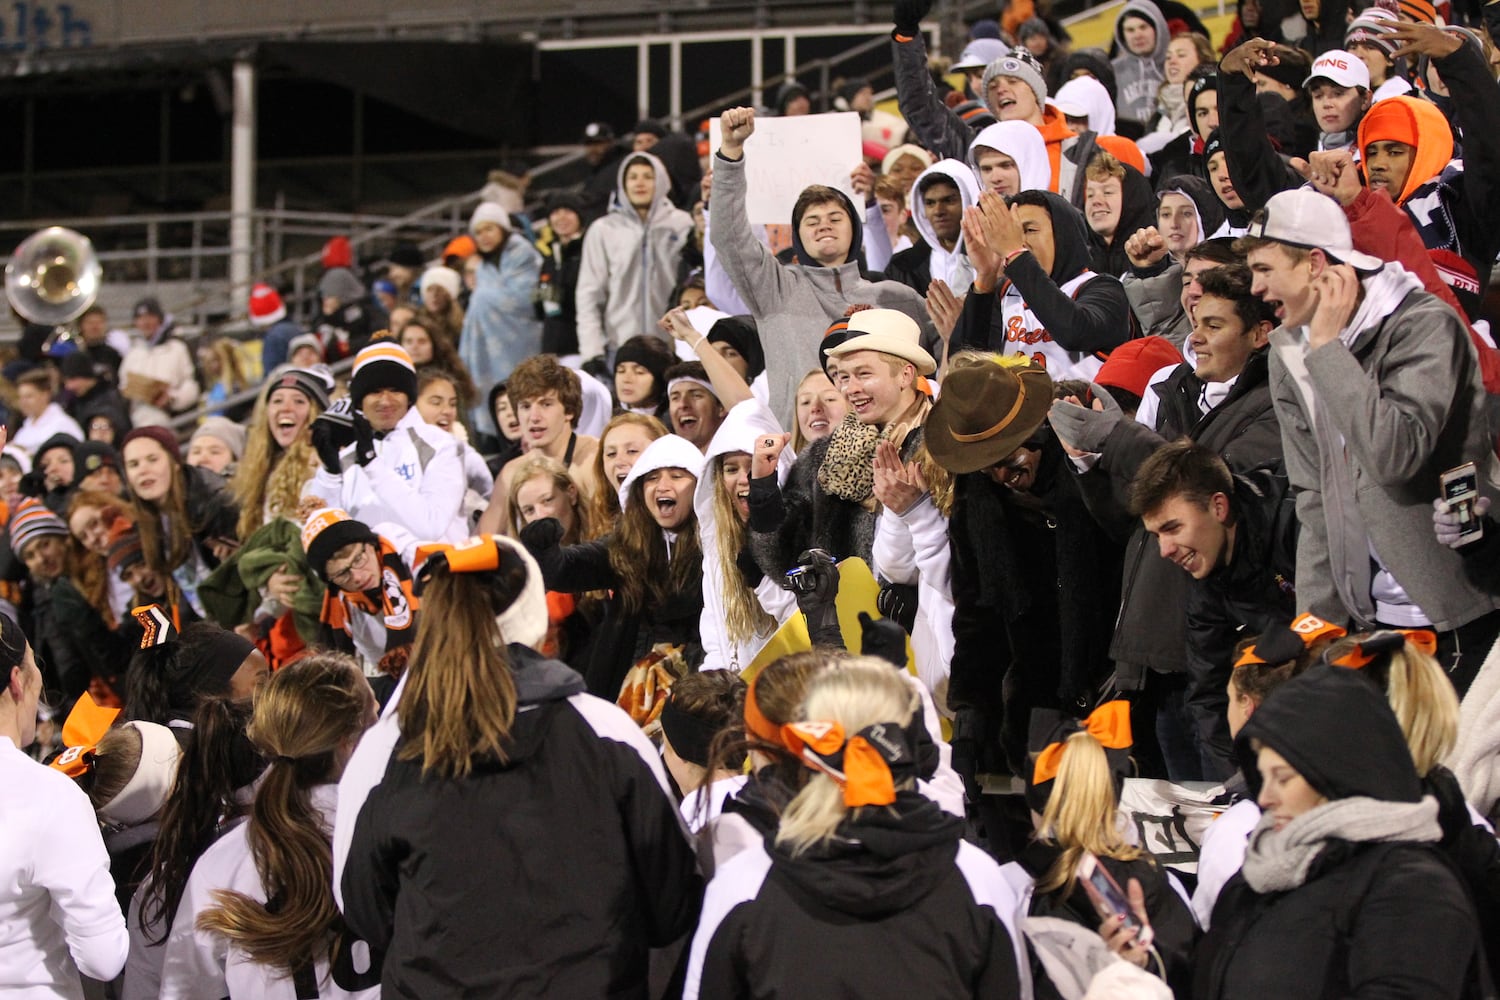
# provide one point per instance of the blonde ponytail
(1425, 704)
(855, 693)
(1082, 812)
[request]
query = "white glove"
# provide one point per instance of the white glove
(1445, 523)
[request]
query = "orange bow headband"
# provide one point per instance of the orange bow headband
(1305, 630)
(867, 765)
(1109, 724)
(1377, 644)
(86, 724)
(481, 554)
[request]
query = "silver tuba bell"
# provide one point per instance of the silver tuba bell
(52, 279)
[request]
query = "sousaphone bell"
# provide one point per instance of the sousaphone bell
(52, 279)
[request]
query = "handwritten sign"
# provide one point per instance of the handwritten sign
(785, 155)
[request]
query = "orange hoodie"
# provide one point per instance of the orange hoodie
(1055, 132)
(1418, 124)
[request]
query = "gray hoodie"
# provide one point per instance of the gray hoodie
(629, 267)
(1137, 78)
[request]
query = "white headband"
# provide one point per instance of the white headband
(146, 791)
(696, 381)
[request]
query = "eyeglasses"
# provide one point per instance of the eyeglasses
(359, 562)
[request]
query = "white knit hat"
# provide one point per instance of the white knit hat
(489, 211)
(441, 276)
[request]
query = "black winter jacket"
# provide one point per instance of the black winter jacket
(1171, 920)
(621, 638)
(896, 905)
(788, 520)
(556, 304)
(1350, 930)
(550, 874)
(1035, 591)
(1151, 632)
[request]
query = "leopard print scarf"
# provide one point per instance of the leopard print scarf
(848, 470)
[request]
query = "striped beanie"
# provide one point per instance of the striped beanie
(1373, 27)
(383, 365)
(30, 521)
(1420, 11)
(314, 383)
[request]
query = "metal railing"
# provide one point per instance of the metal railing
(193, 248)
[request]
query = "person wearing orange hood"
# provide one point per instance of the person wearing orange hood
(1406, 147)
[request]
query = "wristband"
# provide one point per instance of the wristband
(1004, 264)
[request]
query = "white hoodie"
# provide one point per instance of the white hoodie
(1022, 142)
(743, 424)
(35, 431)
(950, 266)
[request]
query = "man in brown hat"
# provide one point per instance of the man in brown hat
(1035, 580)
(832, 504)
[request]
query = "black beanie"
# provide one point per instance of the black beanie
(1339, 732)
(649, 353)
(329, 530)
(740, 333)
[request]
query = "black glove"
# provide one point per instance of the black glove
(908, 16)
(815, 581)
(364, 439)
(331, 432)
(33, 484)
(541, 536)
(597, 368)
(883, 638)
(898, 601)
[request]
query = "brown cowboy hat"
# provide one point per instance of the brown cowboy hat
(985, 413)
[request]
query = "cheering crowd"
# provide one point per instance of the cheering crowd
(666, 604)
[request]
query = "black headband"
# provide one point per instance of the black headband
(689, 735)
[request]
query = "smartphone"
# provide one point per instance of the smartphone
(1460, 486)
(1107, 896)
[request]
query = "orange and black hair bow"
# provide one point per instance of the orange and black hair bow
(868, 765)
(1281, 643)
(1109, 724)
(1371, 647)
(481, 554)
(158, 625)
(86, 725)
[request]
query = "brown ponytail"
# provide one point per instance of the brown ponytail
(460, 699)
(304, 714)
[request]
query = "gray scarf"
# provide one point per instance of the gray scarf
(1279, 860)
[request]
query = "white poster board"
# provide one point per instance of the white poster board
(785, 155)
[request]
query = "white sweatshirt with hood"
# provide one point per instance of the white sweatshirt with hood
(744, 423)
(1022, 143)
(629, 266)
(950, 266)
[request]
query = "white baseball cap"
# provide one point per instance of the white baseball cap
(980, 53)
(1343, 68)
(1305, 218)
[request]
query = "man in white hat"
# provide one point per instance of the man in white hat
(1378, 392)
(878, 368)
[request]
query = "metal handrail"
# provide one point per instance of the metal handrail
(186, 419)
